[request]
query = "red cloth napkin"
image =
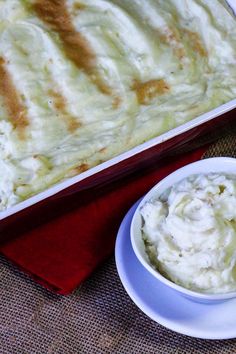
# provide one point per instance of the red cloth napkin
(61, 253)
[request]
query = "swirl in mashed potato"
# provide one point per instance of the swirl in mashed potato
(83, 81)
(190, 233)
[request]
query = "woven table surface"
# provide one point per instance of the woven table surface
(99, 317)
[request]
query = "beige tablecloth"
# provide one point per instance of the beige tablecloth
(98, 318)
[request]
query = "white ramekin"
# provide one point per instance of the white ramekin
(216, 164)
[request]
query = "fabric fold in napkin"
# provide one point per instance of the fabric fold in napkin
(63, 252)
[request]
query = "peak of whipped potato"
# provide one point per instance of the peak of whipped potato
(83, 81)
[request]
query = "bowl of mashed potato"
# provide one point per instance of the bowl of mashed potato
(184, 230)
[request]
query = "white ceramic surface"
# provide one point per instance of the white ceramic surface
(164, 305)
(216, 164)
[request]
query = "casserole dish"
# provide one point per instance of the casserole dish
(122, 164)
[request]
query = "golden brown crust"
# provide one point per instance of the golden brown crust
(77, 170)
(116, 102)
(174, 38)
(147, 91)
(12, 101)
(55, 14)
(195, 42)
(59, 103)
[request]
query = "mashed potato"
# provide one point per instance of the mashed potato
(190, 233)
(82, 81)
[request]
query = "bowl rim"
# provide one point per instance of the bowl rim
(158, 186)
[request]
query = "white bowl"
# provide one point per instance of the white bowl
(216, 164)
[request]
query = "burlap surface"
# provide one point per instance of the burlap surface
(98, 318)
